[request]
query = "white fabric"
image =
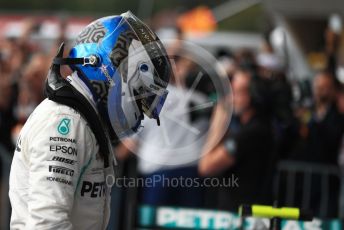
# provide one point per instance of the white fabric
(78, 84)
(177, 141)
(51, 188)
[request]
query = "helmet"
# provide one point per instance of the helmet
(125, 66)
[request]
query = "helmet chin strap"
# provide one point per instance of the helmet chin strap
(92, 60)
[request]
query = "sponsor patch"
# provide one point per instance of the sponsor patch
(64, 149)
(93, 189)
(63, 160)
(63, 127)
(59, 180)
(61, 170)
(62, 139)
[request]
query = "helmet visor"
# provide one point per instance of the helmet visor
(135, 45)
(152, 94)
(130, 46)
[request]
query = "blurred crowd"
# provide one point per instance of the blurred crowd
(23, 69)
(267, 125)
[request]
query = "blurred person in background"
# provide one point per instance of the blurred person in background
(17, 50)
(326, 126)
(226, 59)
(14, 57)
(30, 90)
(34, 75)
(323, 140)
(340, 99)
(278, 99)
(7, 119)
(340, 106)
(245, 152)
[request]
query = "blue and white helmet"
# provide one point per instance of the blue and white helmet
(125, 67)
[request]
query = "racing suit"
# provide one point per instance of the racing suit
(58, 179)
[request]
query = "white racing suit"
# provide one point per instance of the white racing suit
(58, 179)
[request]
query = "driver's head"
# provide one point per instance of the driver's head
(131, 72)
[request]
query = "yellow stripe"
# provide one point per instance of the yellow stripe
(271, 212)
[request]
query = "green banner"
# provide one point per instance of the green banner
(186, 218)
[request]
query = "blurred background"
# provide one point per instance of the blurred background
(285, 63)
